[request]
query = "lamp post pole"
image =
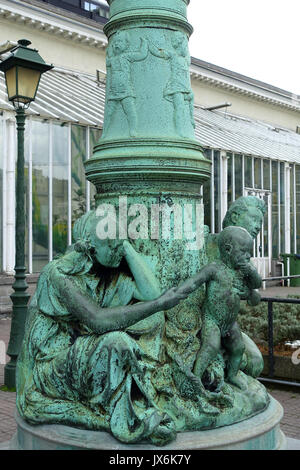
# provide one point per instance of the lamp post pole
(23, 70)
(20, 297)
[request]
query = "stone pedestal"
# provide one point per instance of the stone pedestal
(262, 432)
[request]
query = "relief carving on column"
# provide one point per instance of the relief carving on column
(120, 90)
(178, 88)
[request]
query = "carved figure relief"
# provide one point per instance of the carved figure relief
(178, 88)
(119, 84)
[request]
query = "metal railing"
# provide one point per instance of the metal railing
(281, 278)
(271, 359)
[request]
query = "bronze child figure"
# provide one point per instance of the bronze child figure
(228, 280)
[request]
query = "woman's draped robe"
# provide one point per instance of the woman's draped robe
(70, 375)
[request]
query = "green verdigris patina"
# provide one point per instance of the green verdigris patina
(112, 343)
(229, 279)
(246, 212)
(95, 357)
(87, 354)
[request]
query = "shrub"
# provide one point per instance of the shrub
(286, 322)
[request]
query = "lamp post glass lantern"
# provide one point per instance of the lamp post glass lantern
(23, 69)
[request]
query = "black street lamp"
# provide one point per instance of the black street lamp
(23, 69)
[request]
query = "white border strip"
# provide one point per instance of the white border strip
(4, 189)
(69, 186)
(87, 156)
(30, 270)
(50, 215)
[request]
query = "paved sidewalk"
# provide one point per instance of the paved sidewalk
(7, 399)
(289, 399)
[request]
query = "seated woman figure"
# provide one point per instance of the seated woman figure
(93, 337)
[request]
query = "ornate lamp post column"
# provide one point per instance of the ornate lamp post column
(23, 69)
(140, 377)
(148, 151)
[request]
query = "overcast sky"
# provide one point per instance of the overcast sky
(257, 38)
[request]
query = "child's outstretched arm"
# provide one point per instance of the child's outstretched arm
(204, 275)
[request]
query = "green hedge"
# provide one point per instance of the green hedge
(286, 320)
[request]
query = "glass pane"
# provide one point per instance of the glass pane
(267, 174)
(90, 6)
(292, 212)
(11, 82)
(60, 189)
(248, 172)
(207, 153)
(265, 224)
(40, 194)
(230, 195)
(275, 221)
(282, 208)
(257, 173)
(217, 190)
(75, 3)
(1, 191)
(95, 135)
(206, 194)
(78, 152)
(103, 12)
(298, 207)
(238, 170)
(26, 184)
(28, 81)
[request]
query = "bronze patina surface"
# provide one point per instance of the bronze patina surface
(122, 335)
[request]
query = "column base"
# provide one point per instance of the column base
(262, 432)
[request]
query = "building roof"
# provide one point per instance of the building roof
(242, 135)
(76, 10)
(45, 17)
(66, 96)
(219, 77)
(202, 64)
(80, 98)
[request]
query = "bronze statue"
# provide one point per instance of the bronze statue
(228, 280)
(96, 355)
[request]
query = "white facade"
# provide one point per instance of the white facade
(248, 97)
(63, 39)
